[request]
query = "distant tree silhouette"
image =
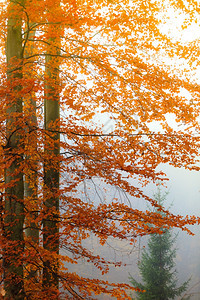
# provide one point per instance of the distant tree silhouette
(157, 266)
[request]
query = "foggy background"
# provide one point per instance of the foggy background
(184, 196)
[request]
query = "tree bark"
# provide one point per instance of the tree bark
(14, 193)
(31, 179)
(51, 165)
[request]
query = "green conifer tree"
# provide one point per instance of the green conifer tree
(157, 266)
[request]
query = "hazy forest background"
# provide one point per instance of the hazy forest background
(183, 198)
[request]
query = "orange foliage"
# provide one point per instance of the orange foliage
(106, 69)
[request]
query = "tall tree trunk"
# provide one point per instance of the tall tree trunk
(51, 165)
(31, 178)
(14, 193)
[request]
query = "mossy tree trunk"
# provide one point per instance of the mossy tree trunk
(51, 165)
(14, 193)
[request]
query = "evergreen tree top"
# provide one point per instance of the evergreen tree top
(157, 266)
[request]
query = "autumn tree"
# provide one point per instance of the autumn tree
(52, 149)
(157, 266)
(65, 63)
(31, 177)
(14, 186)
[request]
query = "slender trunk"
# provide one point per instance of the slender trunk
(14, 193)
(31, 178)
(51, 166)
